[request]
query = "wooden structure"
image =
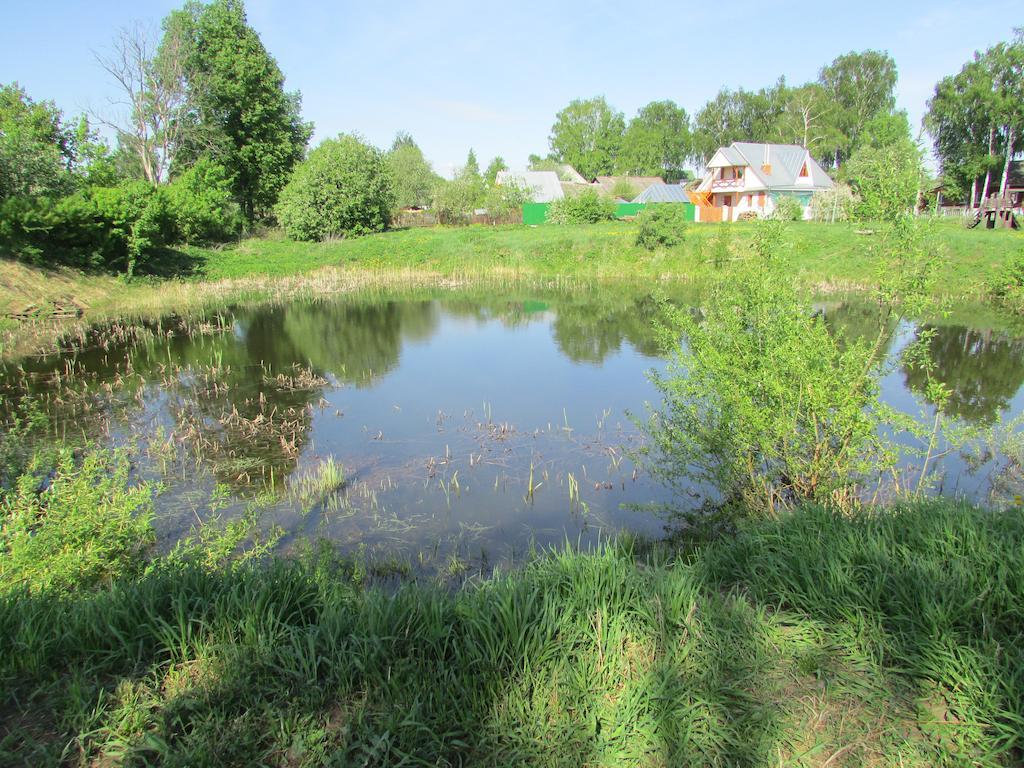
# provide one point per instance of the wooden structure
(996, 212)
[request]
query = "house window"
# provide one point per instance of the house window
(727, 200)
(803, 171)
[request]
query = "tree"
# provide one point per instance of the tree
(588, 135)
(496, 165)
(36, 149)
(242, 116)
(807, 118)
(412, 178)
(657, 142)
(153, 99)
(976, 119)
(887, 177)
(472, 167)
(737, 116)
(860, 85)
(342, 188)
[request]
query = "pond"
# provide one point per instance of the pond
(436, 427)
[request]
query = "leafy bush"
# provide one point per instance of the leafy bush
(202, 204)
(661, 226)
(116, 228)
(624, 190)
(504, 199)
(455, 200)
(342, 188)
(836, 204)
(588, 207)
(764, 404)
(1008, 288)
(74, 525)
(788, 208)
(886, 179)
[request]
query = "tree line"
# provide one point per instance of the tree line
(976, 118)
(829, 116)
(207, 137)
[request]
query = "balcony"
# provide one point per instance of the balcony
(718, 185)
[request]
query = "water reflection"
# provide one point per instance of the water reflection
(444, 409)
(983, 369)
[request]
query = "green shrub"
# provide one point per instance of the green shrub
(113, 228)
(202, 204)
(588, 207)
(763, 404)
(74, 525)
(454, 201)
(1008, 288)
(661, 226)
(342, 188)
(788, 208)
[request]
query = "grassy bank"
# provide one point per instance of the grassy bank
(822, 255)
(824, 258)
(891, 638)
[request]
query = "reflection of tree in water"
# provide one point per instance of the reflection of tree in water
(853, 321)
(589, 331)
(984, 370)
(356, 341)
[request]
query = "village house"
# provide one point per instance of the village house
(748, 178)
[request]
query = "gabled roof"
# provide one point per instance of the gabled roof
(637, 183)
(543, 185)
(663, 193)
(785, 161)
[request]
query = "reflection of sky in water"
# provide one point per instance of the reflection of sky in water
(438, 409)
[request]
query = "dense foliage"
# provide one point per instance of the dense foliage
(587, 207)
(412, 178)
(661, 226)
(244, 118)
(342, 188)
(787, 208)
(976, 119)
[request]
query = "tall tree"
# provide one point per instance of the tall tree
(976, 119)
(657, 142)
(737, 116)
(496, 165)
(807, 118)
(588, 135)
(243, 117)
(36, 149)
(860, 85)
(412, 178)
(152, 96)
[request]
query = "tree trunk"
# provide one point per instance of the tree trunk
(988, 165)
(1006, 164)
(974, 193)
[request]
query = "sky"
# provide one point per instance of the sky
(458, 74)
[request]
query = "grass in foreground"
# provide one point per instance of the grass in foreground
(892, 638)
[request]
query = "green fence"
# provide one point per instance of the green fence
(537, 213)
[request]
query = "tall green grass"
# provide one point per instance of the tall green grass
(889, 638)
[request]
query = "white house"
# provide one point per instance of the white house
(746, 177)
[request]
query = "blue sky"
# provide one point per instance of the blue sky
(459, 74)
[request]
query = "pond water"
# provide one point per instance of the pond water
(467, 426)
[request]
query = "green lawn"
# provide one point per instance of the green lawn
(823, 255)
